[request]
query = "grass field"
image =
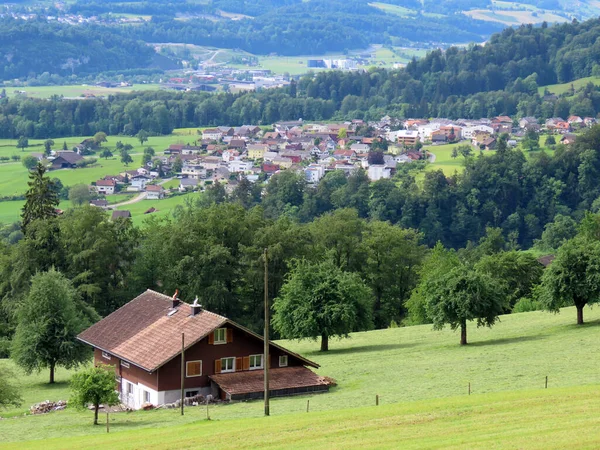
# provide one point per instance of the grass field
(77, 90)
(444, 160)
(506, 366)
(565, 87)
(552, 419)
(514, 17)
(14, 176)
(164, 207)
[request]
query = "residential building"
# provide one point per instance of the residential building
(143, 342)
(154, 192)
(106, 187)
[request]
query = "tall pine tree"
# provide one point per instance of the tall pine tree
(41, 198)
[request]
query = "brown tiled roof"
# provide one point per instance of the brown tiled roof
(546, 260)
(143, 333)
(279, 378)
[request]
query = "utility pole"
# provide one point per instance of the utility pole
(182, 369)
(266, 337)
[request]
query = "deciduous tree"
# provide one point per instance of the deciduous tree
(9, 394)
(49, 321)
(96, 386)
(321, 300)
(573, 278)
(462, 295)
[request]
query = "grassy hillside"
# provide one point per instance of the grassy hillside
(14, 177)
(401, 365)
(77, 90)
(565, 87)
(556, 418)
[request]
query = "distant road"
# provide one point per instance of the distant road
(141, 196)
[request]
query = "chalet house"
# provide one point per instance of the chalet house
(568, 139)
(100, 203)
(154, 192)
(143, 342)
(106, 187)
(66, 160)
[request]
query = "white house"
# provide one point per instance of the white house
(378, 171)
(239, 165)
(138, 183)
(154, 192)
(314, 173)
(106, 187)
(194, 171)
(212, 134)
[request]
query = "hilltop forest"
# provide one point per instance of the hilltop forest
(500, 78)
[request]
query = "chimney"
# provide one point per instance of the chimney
(176, 300)
(196, 307)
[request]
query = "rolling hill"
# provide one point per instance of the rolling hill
(421, 376)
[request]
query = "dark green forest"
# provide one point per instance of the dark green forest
(291, 27)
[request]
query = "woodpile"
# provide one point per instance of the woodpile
(47, 406)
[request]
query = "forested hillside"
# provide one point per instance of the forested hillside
(312, 27)
(500, 78)
(30, 48)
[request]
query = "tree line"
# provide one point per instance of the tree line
(31, 47)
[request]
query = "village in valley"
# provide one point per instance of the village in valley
(225, 155)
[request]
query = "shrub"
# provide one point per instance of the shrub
(526, 305)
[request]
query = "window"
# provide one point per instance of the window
(146, 397)
(106, 356)
(256, 362)
(129, 388)
(125, 364)
(193, 368)
(189, 394)
(221, 336)
(283, 361)
(227, 365)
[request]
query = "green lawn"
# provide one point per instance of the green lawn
(403, 365)
(551, 419)
(394, 9)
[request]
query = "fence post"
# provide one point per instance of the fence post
(469, 388)
(107, 423)
(307, 405)
(377, 400)
(207, 413)
(546, 381)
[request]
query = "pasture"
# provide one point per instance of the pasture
(559, 89)
(421, 376)
(14, 176)
(76, 90)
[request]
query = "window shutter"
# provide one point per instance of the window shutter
(246, 363)
(238, 364)
(211, 338)
(217, 366)
(229, 335)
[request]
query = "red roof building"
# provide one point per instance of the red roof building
(143, 341)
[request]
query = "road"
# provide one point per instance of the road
(138, 198)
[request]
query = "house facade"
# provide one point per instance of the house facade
(143, 342)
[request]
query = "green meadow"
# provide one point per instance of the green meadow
(14, 176)
(77, 90)
(421, 377)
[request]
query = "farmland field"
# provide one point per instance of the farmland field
(14, 176)
(77, 90)
(514, 17)
(422, 378)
